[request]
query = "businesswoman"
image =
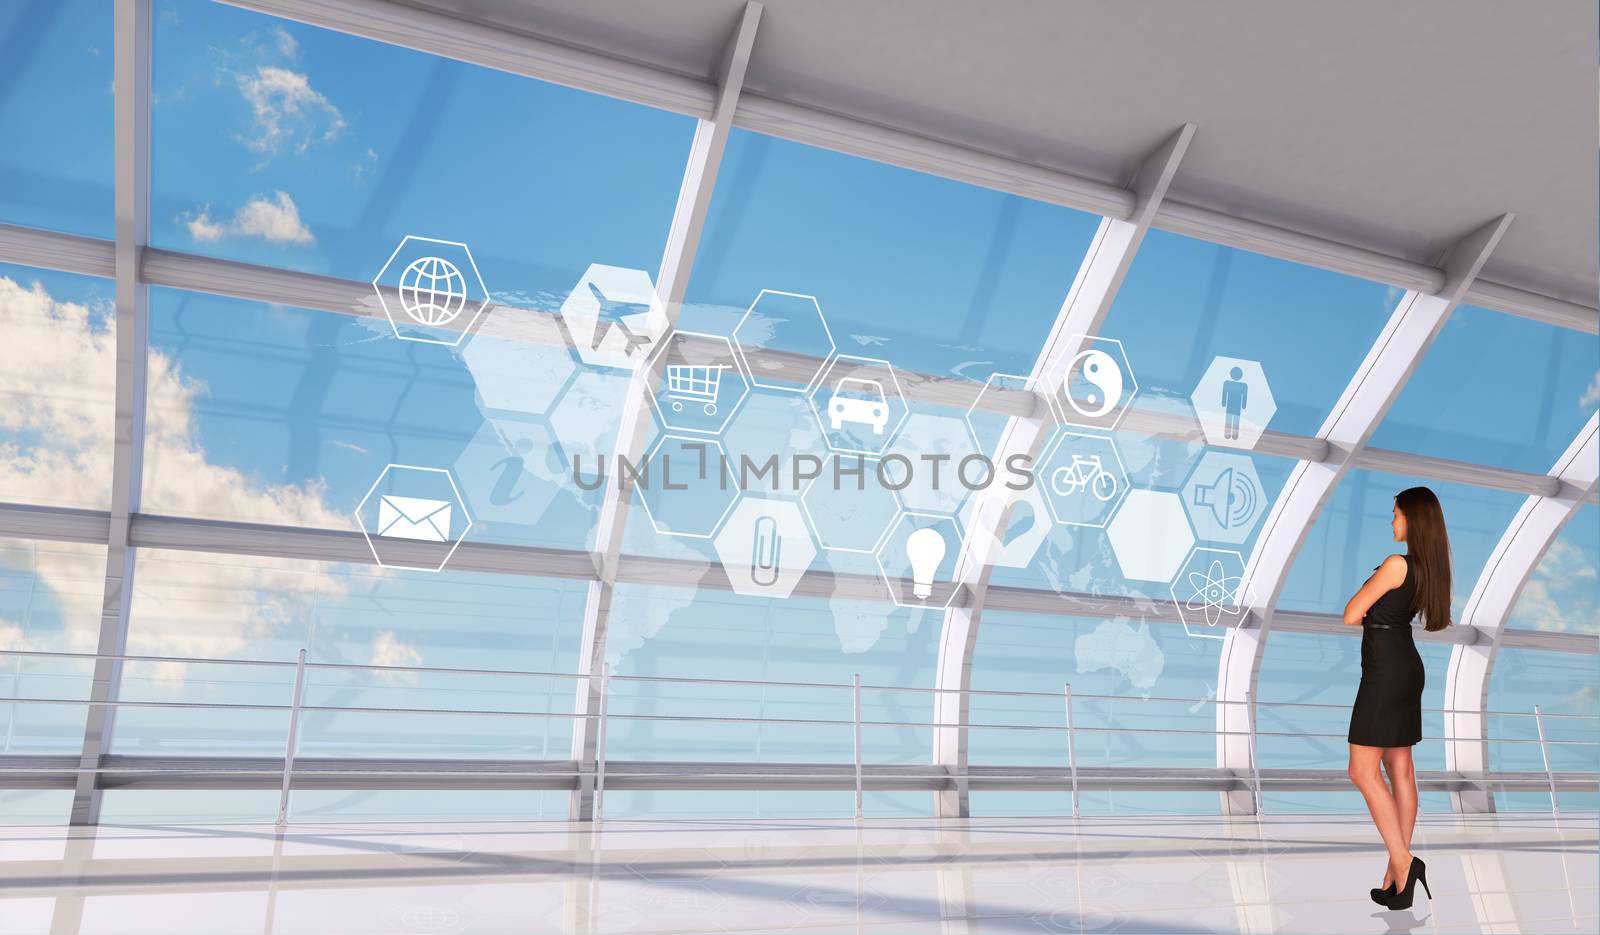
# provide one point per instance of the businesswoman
(1387, 718)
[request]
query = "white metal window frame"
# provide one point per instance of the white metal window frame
(719, 106)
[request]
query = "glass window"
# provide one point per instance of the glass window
(936, 276)
(1352, 536)
(57, 388)
(1122, 672)
(1496, 389)
(682, 633)
(56, 106)
(281, 415)
(1563, 593)
(1186, 302)
(231, 607)
(1563, 687)
(50, 600)
(286, 145)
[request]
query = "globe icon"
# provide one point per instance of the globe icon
(433, 291)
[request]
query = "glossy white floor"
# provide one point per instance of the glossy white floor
(1490, 873)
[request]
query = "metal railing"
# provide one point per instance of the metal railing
(296, 709)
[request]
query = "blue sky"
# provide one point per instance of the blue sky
(283, 145)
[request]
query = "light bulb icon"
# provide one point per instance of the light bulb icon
(925, 548)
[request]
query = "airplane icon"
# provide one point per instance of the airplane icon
(612, 315)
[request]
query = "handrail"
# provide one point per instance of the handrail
(297, 707)
(843, 686)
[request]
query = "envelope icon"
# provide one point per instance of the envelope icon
(414, 518)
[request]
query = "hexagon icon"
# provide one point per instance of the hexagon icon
(765, 547)
(413, 517)
(859, 404)
(918, 560)
(933, 464)
(509, 477)
(1233, 402)
(1211, 592)
(614, 317)
(1150, 535)
(430, 290)
(849, 505)
(773, 444)
(1003, 397)
(1083, 479)
(686, 486)
(778, 329)
(513, 364)
(1097, 385)
(1224, 497)
(1026, 528)
(695, 382)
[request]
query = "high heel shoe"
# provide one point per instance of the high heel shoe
(1382, 897)
(1417, 872)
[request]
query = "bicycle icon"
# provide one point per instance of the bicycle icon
(1085, 473)
(694, 384)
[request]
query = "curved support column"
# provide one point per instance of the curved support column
(1409, 332)
(1524, 543)
(1099, 276)
(688, 221)
(131, 111)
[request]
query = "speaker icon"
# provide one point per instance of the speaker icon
(1232, 498)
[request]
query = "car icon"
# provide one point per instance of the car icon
(859, 401)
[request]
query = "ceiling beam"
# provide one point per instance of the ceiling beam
(522, 53)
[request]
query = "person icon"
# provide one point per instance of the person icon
(1235, 396)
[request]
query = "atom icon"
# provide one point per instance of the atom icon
(1213, 588)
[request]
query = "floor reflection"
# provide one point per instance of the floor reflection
(1490, 873)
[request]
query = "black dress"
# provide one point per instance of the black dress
(1388, 708)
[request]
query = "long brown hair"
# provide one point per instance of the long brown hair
(1429, 547)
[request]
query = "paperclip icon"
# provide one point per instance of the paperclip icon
(765, 548)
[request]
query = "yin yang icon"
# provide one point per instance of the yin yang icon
(1094, 384)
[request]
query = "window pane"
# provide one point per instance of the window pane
(50, 599)
(679, 633)
(253, 608)
(1563, 686)
(1496, 389)
(1186, 302)
(1352, 536)
(1563, 593)
(287, 416)
(936, 276)
(55, 103)
(1121, 670)
(286, 145)
(57, 388)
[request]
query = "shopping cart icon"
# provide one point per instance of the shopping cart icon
(694, 384)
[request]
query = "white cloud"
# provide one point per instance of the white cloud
(56, 425)
(273, 218)
(288, 46)
(1561, 594)
(388, 650)
(287, 111)
(1592, 394)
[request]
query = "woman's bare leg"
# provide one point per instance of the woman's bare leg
(1403, 786)
(1364, 772)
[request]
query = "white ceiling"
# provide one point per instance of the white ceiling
(1396, 126)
